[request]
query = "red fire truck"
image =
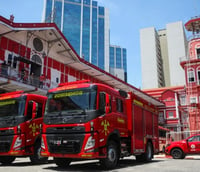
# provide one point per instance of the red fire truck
(21, 116)
(86, 120)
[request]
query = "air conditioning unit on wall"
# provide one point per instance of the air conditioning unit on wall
(193, 100)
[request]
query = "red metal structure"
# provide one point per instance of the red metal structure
(21, 116)
(86, 120)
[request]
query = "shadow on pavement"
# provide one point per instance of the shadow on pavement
(95, 166)
(18, 163)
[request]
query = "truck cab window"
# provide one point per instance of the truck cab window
(39, 110)
(29, 110)
(119, 105)
(102, 101)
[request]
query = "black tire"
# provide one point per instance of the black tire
(62, 162)
(149, 152)
(177, 153)
(147, 156)
(7, 160)
(112, 157)
(36, 158)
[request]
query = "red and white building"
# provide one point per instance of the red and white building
(182, 103)
(191, 66)
(174, 114)
(41, 49)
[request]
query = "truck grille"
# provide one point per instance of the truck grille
(5, 142)
(66, 130)
(65, 143)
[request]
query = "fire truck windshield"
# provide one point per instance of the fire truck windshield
(12, 107)
(71, 101)
(11, 110)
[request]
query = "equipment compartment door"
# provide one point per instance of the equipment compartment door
(138, 129)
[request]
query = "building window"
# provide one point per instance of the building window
(191, 76)
(198, 53)
(198, 75)
(193, 100)
(183, 100)
(161, 119)
(170, 115)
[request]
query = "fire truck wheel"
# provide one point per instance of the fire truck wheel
(36, 158)
(177, 153)
(149, 152)
(62, 162)
(112, 158)
(6, 160)
(147, 156)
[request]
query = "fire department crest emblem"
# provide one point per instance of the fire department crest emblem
(105, 125)
(34, 127)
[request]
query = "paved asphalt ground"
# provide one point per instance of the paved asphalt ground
(160, 163)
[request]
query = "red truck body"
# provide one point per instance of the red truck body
(21, 116)
(96, 121)
(188, 146)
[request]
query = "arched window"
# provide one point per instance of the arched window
(198, 53)
(35, 58)
(191, 75)
(198, 75)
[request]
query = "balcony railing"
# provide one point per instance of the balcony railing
(25, 78)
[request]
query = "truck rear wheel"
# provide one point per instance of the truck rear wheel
(177, 153)
(149, 152)
(6, 160)
(36, 158)
(112, 158)
(62, 162)
(147, 156)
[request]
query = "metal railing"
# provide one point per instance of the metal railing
(25, 77)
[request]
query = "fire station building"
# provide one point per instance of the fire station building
(35, 57)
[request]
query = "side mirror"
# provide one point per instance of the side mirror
(107, 107)
(34, 110)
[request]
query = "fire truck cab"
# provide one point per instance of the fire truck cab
(86, 120)
(21, 116)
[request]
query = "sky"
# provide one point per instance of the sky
(127, 17)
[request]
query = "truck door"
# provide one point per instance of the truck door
(194, 144)
(33, 123)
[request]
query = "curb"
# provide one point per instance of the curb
(170, 157)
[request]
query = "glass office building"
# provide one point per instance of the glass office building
(85, 25)
(118, 65)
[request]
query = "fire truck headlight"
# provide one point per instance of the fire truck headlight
(18, 143)
(90, 143)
